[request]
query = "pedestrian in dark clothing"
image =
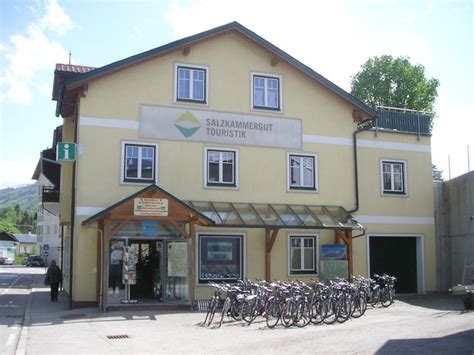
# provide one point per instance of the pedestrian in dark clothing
(53, 278)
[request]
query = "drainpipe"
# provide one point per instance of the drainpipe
(73, 204)
(356, 169)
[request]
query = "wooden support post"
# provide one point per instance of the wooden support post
(105, 269)
(348, 235)
(338, 238)
(269, 241)
(180, 229)
(192, 234)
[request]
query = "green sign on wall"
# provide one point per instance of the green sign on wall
(66, 151)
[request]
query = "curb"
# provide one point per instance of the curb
(23, 338)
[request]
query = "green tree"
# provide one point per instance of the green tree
(8, 227)
(395, 82)
(437, 174)
(8, 214)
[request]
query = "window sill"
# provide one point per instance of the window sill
(266, 109)
(302, 189)
(394, 194)
(292, 274)
(222, 187)
(134, 183)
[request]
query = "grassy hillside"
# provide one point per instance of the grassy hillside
(26, 196)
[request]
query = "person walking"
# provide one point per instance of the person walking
(53, 278)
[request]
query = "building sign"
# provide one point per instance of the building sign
(159, 122)
(150, 228)
(66, 151)
(150, 207)
(333, 252)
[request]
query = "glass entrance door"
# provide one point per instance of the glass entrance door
(161, 269)
(177, 281)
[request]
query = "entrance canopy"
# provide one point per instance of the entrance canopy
(275, 216)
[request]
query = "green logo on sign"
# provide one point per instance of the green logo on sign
(65, 151)
(187, 124)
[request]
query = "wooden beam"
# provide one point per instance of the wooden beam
(105, 269)
(180, 229)
(118, 228)
(272, 240)
(98, 265)
(338, 238)
(348, 235)
(192, 234)
(270, 237)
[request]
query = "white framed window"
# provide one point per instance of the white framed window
(220, 257)
(139, 162)
(302, 172)
(221, 167)
(393, 177)
(191, 83)
(303, 254)
(266, 91)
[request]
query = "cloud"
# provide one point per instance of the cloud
(27, 55)
(55, 19)
(328, 36)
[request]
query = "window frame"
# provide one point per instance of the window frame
(302, 188)
(243, 256)
(221, 184)
(266, 107)
(391, 192)
(134, 181)
(316, 253)
(191, 67)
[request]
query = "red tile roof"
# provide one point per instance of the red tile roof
(80, 69)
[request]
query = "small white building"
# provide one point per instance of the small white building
(47, 173)
(27, 244)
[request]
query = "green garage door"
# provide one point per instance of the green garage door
(395, 256)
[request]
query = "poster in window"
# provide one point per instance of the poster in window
(333, 252)
(219, 251)
(130, 258)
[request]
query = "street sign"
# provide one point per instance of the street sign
(66, 151)
(46, 250)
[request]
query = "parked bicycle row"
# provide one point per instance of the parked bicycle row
(296, 303)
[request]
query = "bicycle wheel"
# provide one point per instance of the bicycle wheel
(273, 315)
(213, 309)
(330, 310)
(235, 309)
(288, 316)
(375, 297)
(303, 314)
(385, 297)
(225, 310)
(344, 309)
(317, 312)
(208, 312)
(247, 311)
(359, 306)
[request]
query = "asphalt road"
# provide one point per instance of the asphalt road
(15, 286)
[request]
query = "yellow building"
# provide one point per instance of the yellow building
(219, 157)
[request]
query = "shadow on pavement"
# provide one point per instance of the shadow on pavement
(438, 301)
(458, 343)
(46, 313)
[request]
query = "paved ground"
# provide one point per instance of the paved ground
(15, 287)
(429, 324)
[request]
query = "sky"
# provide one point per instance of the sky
(332, 37)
